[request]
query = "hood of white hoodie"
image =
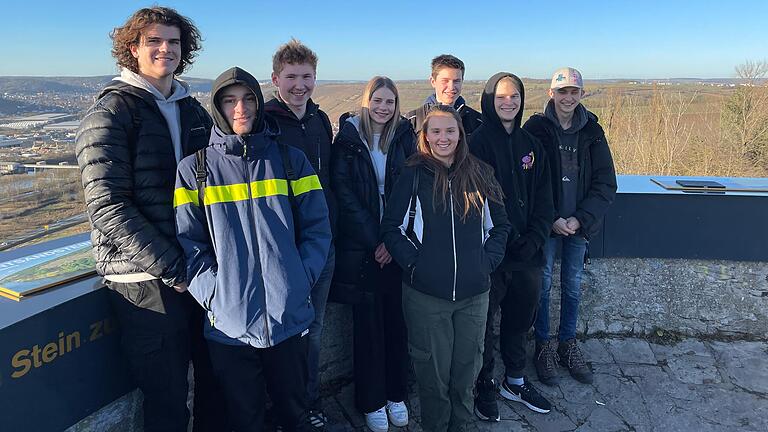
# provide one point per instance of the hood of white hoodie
(168, 106)
(179, 88)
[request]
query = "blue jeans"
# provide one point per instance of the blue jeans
(571, 267)
(319, 300)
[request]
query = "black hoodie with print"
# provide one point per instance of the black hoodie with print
(521, 167)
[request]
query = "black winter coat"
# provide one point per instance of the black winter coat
(128, 179)
(470, 118)
(449, 258)
(521, 166)
(313, 135)
(356, 188)
(596, 188)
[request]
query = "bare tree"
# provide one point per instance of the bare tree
(745, 114)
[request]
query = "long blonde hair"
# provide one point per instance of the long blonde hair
(366, 129)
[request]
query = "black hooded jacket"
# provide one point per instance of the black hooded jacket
(128, 168)
(596, 187)
(522, 168)
(470, 118)
(356, 188)
(311, 134)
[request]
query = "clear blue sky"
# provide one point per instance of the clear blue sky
(356, 40)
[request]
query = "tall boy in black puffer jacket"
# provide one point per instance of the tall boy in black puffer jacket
(522, 169)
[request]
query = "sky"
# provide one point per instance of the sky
(357, 40)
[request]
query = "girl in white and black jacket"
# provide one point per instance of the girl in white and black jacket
(448, 248)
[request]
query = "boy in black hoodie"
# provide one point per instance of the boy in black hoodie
(305, 126)
(521, 166)
(584, 183)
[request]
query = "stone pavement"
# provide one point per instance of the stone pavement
(690, 385)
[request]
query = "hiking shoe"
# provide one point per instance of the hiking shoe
(377, 420)
(486, 407)
(545, 359)
(397, 413)
(526, 394)
(572, 358)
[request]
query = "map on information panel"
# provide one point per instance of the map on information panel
(26, 275)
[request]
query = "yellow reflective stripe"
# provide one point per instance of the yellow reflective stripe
(265, 188)
(239, 191)
(305, 184)
(228, 193)
(183, 196)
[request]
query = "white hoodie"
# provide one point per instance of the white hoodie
(168, 106)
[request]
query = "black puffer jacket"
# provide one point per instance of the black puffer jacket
(521, 166)
(596, 187)
(313, 135)
(354, 183)
(128, 179)
(449, 258)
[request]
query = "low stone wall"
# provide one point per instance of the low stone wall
(703, 299)
(621, 296)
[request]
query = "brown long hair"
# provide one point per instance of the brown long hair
(388, 133)
(130, 34)
(472, 180)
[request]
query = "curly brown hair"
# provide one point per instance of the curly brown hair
(130, 34)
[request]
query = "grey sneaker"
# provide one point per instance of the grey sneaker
(572, 358)
(545, 359)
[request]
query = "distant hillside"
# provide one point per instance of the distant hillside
(12, 107)
(19, 85)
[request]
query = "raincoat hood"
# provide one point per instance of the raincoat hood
(230, 77)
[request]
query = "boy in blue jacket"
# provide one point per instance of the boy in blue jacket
(252, 220)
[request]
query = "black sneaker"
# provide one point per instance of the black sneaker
(572, 358)
(317, 419)
(526, 394)
(545, 359)
(486, 407)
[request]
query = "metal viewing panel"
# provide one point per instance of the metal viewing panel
(59, 353)
(650, 221)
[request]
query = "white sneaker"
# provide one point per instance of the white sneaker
(377, 420)
(397, 413)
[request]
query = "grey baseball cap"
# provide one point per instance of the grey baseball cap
(566, 77)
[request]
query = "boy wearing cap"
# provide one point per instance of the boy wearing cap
(584, 185)
(447, 79)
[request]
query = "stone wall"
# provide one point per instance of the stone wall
(621, 296)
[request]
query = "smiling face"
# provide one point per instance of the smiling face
(295, 84)
(158, 53)
(442, 135)
(238, 104)
(507, 101)
(382, 106)
(566, 99)
(447, 84)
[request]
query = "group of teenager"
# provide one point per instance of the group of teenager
(221, 236)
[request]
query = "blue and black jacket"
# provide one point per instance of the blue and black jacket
(251, 258)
